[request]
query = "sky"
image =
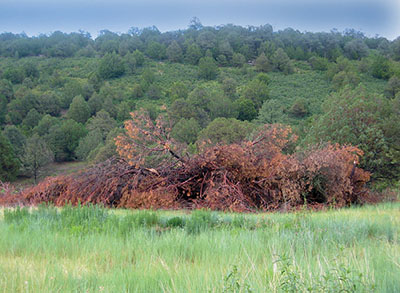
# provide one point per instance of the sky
(34, 17)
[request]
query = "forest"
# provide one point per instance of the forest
(205, 94)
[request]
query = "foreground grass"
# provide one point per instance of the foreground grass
(96, 250)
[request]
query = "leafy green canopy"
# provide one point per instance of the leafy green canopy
(357, 117)
(9, 164)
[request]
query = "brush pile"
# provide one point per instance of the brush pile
(263, 173)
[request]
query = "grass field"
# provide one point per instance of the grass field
(90, 249)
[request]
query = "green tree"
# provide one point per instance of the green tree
(345, 78)
(88, 143)
(16, 138)
(111, 66)
(95, 103)
(174, 52)
(6, 89)
(14, 74)
(271, 112)
(49, 103)
(79, 110)
(178, 90)
(355, 116)
(299, 108)
(246, 109)
(63, 139)
(193, 54)
(186, 130)
(139, 57)
(256, 90)
(154, 92)
(45, 124)
(19, 107)
(155, 50)
(102, 123)
(130, 63)
(181, 108)
(356, 49)
(225, 131)
(262, 63)
(281, 61)
(9, 164)
(71, 89)
(36, 155)
(392, 87)
(380, 67)
(32, 119)
(208, 68)
(3, 109)
(107, 150)
(238, 60)
(318, 63)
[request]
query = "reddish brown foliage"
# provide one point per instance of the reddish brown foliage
(8, 195)
(254, 175)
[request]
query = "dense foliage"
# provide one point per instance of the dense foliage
(213, 85)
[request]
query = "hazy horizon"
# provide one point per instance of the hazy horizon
(44, 16)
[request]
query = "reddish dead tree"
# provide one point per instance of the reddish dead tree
(259, 174)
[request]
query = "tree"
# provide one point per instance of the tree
(221, 106)
(246, 109)
(139, 57)
(208, 68)
(9, 164)
(225, 131)
(186, 130)
(19, 107)
(6, 89)
(32, 119)
(299, 108)
(256, 90)
(392, 87)
(64, 139)
(45, 124)
(49, 103)
(111, 66)
(345, 78)
(262, 63)
(318, 63)
(36, 155)
(14, 74)
(178, 90)
(193, 54)
(155, 50)
(3, 109)
(181, 108)
(174, 52)
(238, 60)
(95, 103)
(281, 61)
(380, 67)
(356, 49)
(356, 117)
(102, 123)
(271, 112)
(79, 110)
(88, 143)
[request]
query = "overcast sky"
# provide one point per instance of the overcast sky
(33, 17)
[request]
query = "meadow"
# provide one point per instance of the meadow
(92, 249)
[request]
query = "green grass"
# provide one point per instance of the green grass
(52, 169)
(90, 249)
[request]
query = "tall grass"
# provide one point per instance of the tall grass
(88, 248)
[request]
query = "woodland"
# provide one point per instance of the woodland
(227, 117)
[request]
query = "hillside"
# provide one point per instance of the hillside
(68, 95)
